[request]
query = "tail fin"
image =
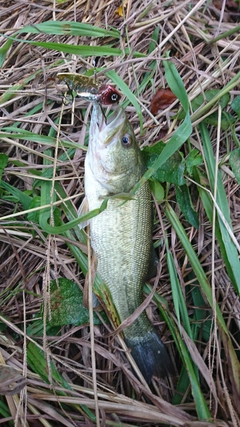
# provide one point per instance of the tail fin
(150, 355)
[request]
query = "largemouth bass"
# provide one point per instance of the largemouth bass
(121, 235)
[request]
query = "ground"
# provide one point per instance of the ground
(176, 64)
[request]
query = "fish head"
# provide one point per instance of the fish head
(114, 155)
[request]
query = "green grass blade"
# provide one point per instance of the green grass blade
(127, 92)
(176, 84)
(4, 50)
(67, 28)
(80, 50)
(40, 139)
(206, 289)
(201, 405)
(181, 134)
(178, 299)
(24, 199)
(222, 201)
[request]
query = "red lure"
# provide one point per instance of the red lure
(108, 95)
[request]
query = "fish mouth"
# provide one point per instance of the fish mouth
(108, 127)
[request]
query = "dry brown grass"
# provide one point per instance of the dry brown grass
(30, 258)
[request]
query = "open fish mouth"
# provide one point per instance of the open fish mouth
(108, 126)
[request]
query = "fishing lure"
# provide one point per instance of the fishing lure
(88, 88)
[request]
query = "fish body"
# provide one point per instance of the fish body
(121, 235)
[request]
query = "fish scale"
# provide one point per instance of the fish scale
(121, 235)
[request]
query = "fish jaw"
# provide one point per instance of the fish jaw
(102, 130)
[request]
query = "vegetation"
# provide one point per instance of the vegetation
(61, 364)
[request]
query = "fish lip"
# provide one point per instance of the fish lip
(113, 125)
(108, 127)
(104, 131)
(116, 116)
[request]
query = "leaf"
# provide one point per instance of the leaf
(201, 404)
(234, 160)
(236, 105)
(185, 203)
(20, 196)
(178, 298)
(209, 95)
(226, 119)
(34, 216)
(207, 291)
(171, 171)
(208, 98)
(67, 305)
(202, 323)
(194, 159)
(161, 100)
(4, 50)
(3, 163)
(67, 28)
(81, 50)
(157, 190)
(39, 364)
(120, 10)
(127, 92)
(23, 134)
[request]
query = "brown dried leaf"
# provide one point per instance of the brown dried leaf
(161, 100)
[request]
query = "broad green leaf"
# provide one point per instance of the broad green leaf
(171, 171)
(185, 203)
(234, 161)
(34, 216)
(236, 105)
(193, 159)
(157, 189)
(226, 119)
(235, 81)
(18, 194)
(208, 96)
(66, 304)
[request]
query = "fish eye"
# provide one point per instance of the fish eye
(126, 140)
(114, 97)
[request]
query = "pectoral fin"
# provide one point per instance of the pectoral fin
(95, 301)
(83, 210)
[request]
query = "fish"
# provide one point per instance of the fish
(121, 235)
